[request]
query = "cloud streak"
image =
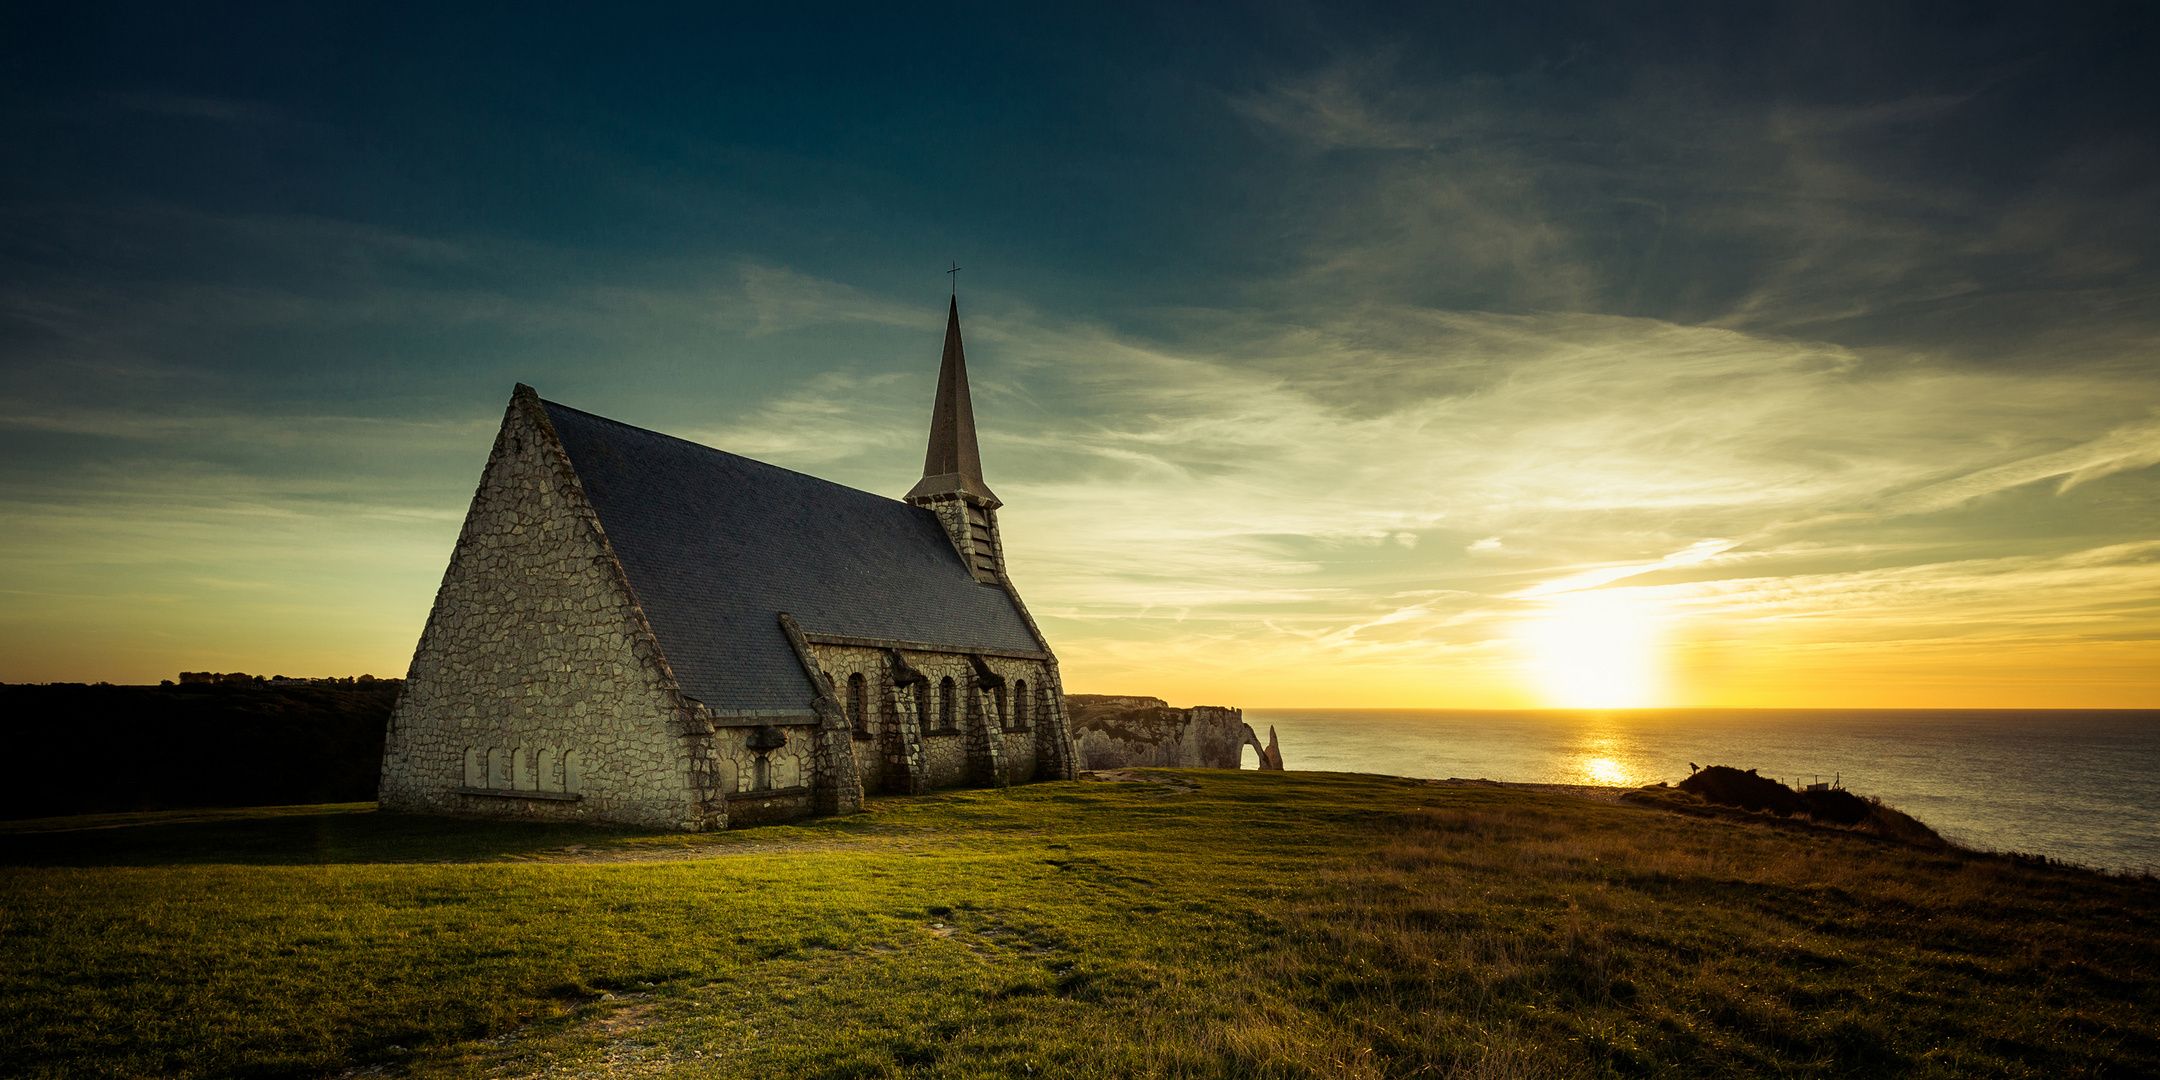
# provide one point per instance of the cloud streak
(1604, 451)
(1341, 363)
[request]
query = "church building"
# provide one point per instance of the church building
(639, 629)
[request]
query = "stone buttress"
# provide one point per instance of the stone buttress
(904, 702)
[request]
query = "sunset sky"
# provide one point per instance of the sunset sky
(1495, 355)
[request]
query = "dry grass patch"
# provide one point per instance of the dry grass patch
(1530, 939)
(1265, 925)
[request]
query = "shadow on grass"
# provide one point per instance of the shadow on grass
(357, 833)
(287, 836)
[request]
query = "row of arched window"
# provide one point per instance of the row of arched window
(1012, 715)
(525, 768)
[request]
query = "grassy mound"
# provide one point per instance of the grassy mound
(1728, 786)
(1721, 791)
(1259, 924)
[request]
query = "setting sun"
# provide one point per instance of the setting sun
(1596, 650)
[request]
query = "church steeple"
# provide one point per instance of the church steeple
(952, 482)
(953, 465)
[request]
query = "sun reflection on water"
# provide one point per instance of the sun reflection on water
(1607, 751)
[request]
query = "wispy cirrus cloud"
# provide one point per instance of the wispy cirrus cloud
(1693, 198)
(1357, 105)
(2131, 446)
(1587, 452)
(1805, 348)
(1273, 490)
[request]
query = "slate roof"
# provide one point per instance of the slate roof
(717, 545)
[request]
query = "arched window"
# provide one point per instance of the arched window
(475, 767)
(998, 702)
(573, 772)
(858, 703)
(1020, 717)
(945, 704)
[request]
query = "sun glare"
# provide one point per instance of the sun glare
(1596, 650)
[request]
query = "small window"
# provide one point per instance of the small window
(1020, 717)
(858, 703)
(998, 702)
(945, 704)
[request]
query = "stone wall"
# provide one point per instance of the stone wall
(954, 728)
(1021, 762)
(738, 750)
(537, 676)
(945, 760)
(1122, 732)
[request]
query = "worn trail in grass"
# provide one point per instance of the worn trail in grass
(1256, 925)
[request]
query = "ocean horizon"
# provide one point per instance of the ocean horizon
(2072, 784)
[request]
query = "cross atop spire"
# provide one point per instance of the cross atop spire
(954, 464)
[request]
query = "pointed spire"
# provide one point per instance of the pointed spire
(954, 464)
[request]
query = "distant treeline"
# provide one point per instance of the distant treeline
(242, 678)
(80, 749)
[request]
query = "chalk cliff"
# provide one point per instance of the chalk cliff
(1117, 732)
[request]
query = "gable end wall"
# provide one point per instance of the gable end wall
(536, 646)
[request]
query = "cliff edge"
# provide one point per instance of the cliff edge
(1114, 731)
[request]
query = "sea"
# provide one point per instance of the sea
(2078, 785)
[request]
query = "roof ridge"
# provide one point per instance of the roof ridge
(695, 445)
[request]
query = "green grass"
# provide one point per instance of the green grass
(1266, 924)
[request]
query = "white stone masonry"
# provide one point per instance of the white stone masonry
(537, 673)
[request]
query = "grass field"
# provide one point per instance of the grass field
(1258, 924)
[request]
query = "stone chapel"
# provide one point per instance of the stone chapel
(639, 629)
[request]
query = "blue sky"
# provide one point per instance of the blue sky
(1359, 355)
